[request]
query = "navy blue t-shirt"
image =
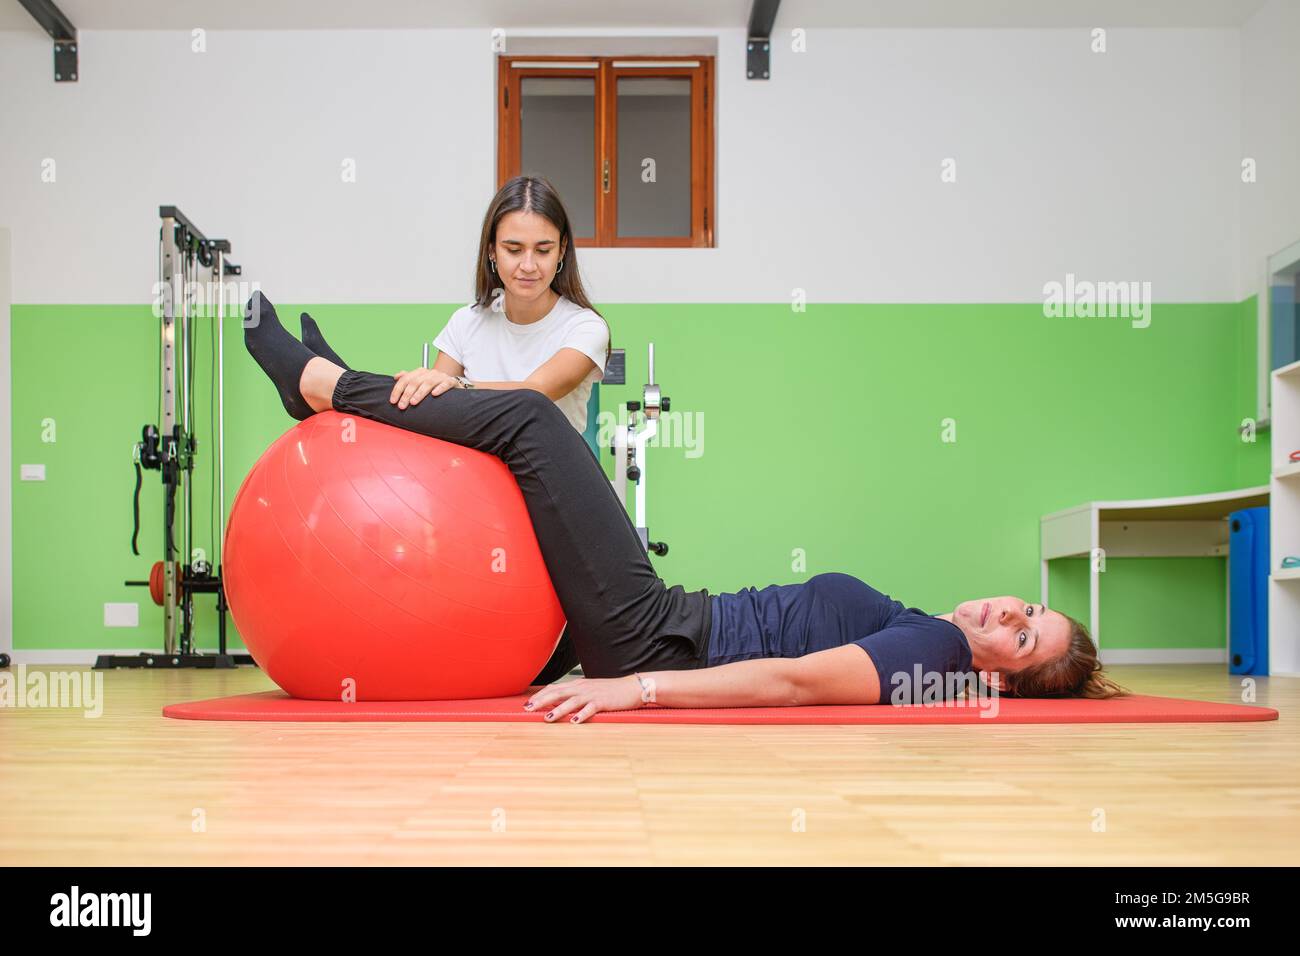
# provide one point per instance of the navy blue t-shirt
(908, 647)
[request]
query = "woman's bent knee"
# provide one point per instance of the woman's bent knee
(537, 407)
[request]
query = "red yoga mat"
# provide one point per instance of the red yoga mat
(1136, 708)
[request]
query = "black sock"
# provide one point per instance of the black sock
(312, 338)
(281, 356)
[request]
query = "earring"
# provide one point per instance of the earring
(492, 264)
(561, 268)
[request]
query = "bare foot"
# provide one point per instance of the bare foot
(319, 376)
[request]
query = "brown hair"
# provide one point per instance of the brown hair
(531, 194)
(1076, 673)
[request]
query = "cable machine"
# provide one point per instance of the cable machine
(628, 448)
(171, 447)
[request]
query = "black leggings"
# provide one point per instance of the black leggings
(621, 616)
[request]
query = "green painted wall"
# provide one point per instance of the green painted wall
(1252, 458)
(821, 437)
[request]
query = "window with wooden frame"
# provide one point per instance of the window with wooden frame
(627, 141)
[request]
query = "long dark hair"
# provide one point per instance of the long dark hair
(531, 194)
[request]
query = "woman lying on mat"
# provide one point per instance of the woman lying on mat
(829, 640)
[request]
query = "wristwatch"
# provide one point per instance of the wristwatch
(464, 382)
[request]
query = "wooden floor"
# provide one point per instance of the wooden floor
(127, 787)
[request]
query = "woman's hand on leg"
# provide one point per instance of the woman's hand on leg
(416, 384)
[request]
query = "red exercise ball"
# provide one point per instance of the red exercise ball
(360, 552)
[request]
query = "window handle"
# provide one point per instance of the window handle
(604, 176)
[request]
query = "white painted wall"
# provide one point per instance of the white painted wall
(1115, 166)
(6, 456)
(1270, 133)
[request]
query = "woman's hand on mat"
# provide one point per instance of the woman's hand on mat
(579, 699)
(414, 385)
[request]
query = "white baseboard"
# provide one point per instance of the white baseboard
(86, 657)
(1165, 655)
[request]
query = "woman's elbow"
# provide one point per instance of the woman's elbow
(551, 392)
(841, 675)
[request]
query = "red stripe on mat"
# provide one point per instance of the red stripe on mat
(276, 705)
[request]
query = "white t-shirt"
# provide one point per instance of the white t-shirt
(491, 348)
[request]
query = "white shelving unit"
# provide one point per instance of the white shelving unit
(1284, 525)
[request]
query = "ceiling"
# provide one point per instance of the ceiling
(656, 14)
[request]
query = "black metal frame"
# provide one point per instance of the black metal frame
(758, 45)
(53, 21)
(190, 235)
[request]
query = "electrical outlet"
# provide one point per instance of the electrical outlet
(121, 615)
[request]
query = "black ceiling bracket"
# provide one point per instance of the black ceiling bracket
(62, 32)
(65, 61)
(758, 45)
